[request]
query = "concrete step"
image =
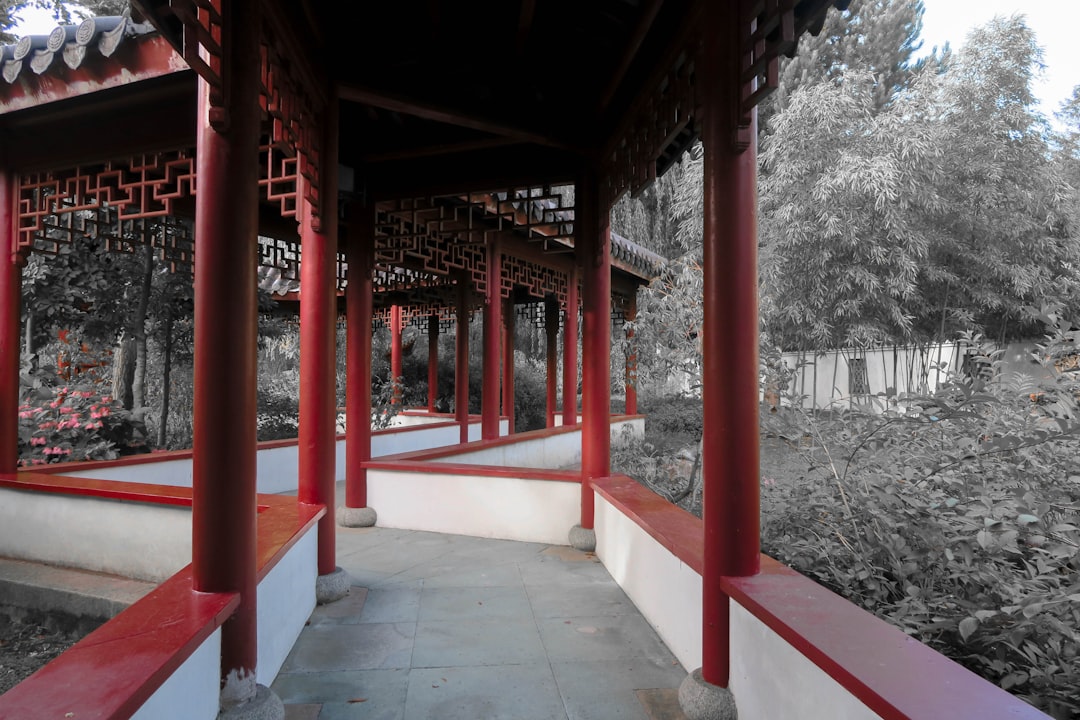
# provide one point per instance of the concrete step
(35, 592)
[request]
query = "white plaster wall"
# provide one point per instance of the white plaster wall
(420, 438)
(286, 597)
(549, 452)
(190, 693)
(665, 589)
(176, 472)
(137, 540)
(277, 469)
(410, 419)
(771, 679)
(496, 507)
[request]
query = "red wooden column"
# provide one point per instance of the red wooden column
(10, 298)
(395, 353)
(730, 342)
(551, 329)
(489, 396)
(461, 360)
(508, 363)
(223, 455)
(318, 360)
(592, 238)
(631, 359)
(570, 341)
(360, 255)
(432, 362)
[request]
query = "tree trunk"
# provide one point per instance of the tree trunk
(166, 371)
(138, 384)
(124, 371)
(28, 338)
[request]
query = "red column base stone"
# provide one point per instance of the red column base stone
(356, 517)
(701, 700)
(583, 539)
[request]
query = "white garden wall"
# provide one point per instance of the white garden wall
(147, 541)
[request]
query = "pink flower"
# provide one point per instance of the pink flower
(26, 414)
(47, 451)
(54, 404)
(38, 441)
(65, 410)
(106, 399)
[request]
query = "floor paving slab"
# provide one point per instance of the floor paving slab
(347, 610)
(372, 688)
(507, 692)
(460, 642)
(480, 603)
(621, 679)
(447, 627)
(391, 606)
(555, 601)
(602, 637)
(352, 647)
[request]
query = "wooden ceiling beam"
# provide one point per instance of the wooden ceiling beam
(450, 116)
(433, 150)
(645, 21)
(525, 21)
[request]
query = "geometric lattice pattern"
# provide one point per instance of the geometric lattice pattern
(138, 188)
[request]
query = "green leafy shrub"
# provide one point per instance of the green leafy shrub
(956, 517)
(65, 412)
(672, 420)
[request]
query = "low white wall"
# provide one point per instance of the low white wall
(286, 598)
(412, 417)
(416, 438)
(190, 693)
(666, 590)
(549, 452)
(277, 467)
(137, 540)
(771, 679)
(529, 510)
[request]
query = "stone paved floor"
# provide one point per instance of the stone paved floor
(450, 627)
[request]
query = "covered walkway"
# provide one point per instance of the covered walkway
(449, 626)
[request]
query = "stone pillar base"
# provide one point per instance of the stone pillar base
(583, 539)
(701, 700)
(264, 706)
(331, 587)
(356, 517)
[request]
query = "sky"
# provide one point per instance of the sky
(1054, 23)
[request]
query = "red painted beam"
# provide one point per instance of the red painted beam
(396, 372)
(318, 355)
(570, 341)
(360, 254)
(10, 298)
(433, 362)
(508, 363)
(489, 411)
(551, 329)
(730, 462)
(593, 238)
(223, 464)
(461, 360)
(135, 60)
